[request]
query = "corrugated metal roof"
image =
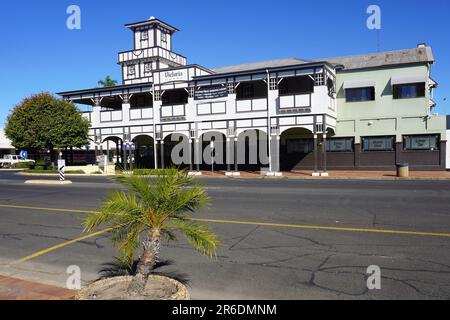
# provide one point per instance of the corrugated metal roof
(259, 65)
(373, 60)
(406, 56)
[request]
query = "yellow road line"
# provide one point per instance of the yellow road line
(296, 226)
(62, 245)
(43, 209)
(231, 222)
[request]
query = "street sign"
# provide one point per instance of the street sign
(130, 147)
(24, 154)
(62, 169)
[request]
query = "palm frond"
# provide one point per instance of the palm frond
(199, 236)
(119, 208)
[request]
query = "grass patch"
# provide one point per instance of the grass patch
(41, 171)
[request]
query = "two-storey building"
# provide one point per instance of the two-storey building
(362, 112)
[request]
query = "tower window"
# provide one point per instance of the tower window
(148, 67)
(144, 35)
(163, 37)
(131, 70)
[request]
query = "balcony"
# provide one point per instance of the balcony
(251, 105)
(141, 114)
(173, 112)
(111, 116)
(296, 103)
(154, 52)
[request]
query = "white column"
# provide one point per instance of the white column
(126, 109)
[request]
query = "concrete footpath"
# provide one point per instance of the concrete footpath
(15, 289)
(343, 175)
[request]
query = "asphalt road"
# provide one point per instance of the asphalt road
(258, 259)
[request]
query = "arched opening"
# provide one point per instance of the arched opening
(297, 149)
(253, 150)
(217, 156)
(145, 152)
(113, 150)
(176, 151)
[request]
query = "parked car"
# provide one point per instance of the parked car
(11, 160)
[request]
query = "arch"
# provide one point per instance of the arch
(253, 150)
(219, 154)
(136, 135)
(222, 131)
(168, 134)
(243, 130)
(331, 132)
(145, 151)
(114, 154)
(112, 138)
(175, 151)
(297, 149)
(285, 129)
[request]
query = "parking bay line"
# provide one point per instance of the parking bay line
(216, 221)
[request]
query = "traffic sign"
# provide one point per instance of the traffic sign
(24, 154)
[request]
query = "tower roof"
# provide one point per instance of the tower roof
(149, 22)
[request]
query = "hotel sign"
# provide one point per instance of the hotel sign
(211, 92)
(173, 76)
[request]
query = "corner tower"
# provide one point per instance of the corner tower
(152, 50)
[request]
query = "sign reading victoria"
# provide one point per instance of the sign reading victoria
(211, 92)
(172, 76)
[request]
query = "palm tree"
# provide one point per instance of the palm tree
(107, 82)
(150, 209)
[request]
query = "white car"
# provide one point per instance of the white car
(10, 160)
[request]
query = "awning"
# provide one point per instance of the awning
(359, 84)
(409, 80)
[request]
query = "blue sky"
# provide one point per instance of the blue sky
(40, 54)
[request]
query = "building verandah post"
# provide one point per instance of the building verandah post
(324, 156)
(316, 156)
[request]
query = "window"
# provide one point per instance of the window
(300, 146)
(144, 35)
(407, 91)
(273, 84)
(319, 79)
(148, 67)
(378, 144)
(163, 37)
(340, 145)
(423, 142)
(296, 85)
(231, 88)
(360, 94)
(131, 70)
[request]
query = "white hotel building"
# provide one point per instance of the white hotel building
(291, 100)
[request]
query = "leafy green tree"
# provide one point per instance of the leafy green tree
(43, 122)
(151, 209)
(107, 82)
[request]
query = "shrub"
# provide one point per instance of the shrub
(42, 165)
(21, 165)
(154, 172)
